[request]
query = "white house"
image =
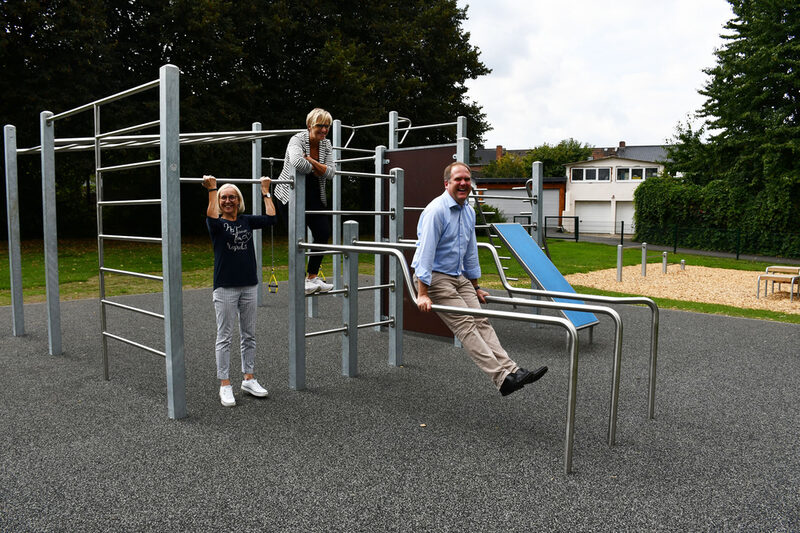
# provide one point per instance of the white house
(600, 190)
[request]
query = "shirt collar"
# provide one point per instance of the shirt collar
(450, 202)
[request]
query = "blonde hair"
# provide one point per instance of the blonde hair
(238, 193)
(318, 116)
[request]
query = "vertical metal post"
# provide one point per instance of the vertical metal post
(169, 112)
(312, 302)
(297, 263)
(462, 142)
(537, 212)
(393, 139)
(644, 259)
(50, 232)
(664, 263)
(619, 262)
(396, 203)
(258, 237)
(350, 304)
(380, 155)
(337, 205)
(621, 232)
(12, 212)
(99, 197)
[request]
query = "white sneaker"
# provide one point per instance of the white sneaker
(226, 396)
(311, 287)
(323, 287)
(252, 386)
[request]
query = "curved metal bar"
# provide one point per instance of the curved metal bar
(634, 300)
(540, 319)
(614, 402)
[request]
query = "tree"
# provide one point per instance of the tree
(553, 157)
(752, 106)
(244, 61)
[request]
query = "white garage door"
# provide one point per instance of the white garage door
(624, 215)
(550, 202)
(595, 217)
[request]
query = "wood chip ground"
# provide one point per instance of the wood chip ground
(696, 284)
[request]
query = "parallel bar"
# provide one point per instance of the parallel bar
(106, 100)
(502, 197)
(427, 126)
(129, 129)
(234, 180)
(362, 174)
(335, 212)
(14, 242)
(134, 343)
(129, 166)
(326, 332)
(154, 201)
(389, 322)
(354, 159)
(131, 273)
(377, 287)
(362, 150)
(129, 238)
(130, 308)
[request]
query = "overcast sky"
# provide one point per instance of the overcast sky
(599, 72)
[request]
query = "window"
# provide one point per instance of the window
(636, 173)
(591, 174)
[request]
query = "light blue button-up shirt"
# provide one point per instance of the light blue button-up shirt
(446, 240)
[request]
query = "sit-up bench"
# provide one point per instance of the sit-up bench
(779, 274)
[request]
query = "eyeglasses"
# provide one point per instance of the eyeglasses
(228, 198)
(322, 126)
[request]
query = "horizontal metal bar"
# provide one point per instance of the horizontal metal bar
(362, 126)
(353, 159)
(362, 174)
(389, 322)
(131, 273)
(134, 309)
(106, 100)
(234, 180)
(326, 332)
(402, 148)
(335, 291)
(129, 129)
(427, 126)
(363, 150)
(154, 201)
(133, 343)
(129, 166)
(502, 197)
(329, 252)
(339, 212)
(281, 159)
(130, 238)
(414, 208)
(377, 287)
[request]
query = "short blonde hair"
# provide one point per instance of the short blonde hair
(238, 193)
(318, 116)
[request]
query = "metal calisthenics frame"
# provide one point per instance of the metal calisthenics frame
(168, 142)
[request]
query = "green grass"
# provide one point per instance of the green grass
(78, 267)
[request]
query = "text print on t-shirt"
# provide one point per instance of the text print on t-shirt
(241, 237)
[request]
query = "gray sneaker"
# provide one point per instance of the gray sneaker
(323, 287)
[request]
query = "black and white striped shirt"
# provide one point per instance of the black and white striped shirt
(296, 151)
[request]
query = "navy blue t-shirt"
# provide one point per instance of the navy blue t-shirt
(234, 254)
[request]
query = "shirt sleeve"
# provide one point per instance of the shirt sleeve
(428, 234)
(472, 266)
(213, 225)
(327, 160)
(262, 221)
(295, 155)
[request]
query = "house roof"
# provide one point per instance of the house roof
(653, 153)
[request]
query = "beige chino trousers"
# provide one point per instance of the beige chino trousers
(476, 334)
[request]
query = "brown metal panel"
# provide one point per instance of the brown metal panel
(423, 169)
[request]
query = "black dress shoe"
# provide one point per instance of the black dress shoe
(524, 377)
(510, 384)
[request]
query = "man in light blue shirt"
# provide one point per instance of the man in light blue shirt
(447, 270)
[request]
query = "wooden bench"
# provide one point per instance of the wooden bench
(780, 274)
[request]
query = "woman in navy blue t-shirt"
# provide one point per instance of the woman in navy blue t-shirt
(235, 279)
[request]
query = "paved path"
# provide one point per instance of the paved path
(83, 454)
